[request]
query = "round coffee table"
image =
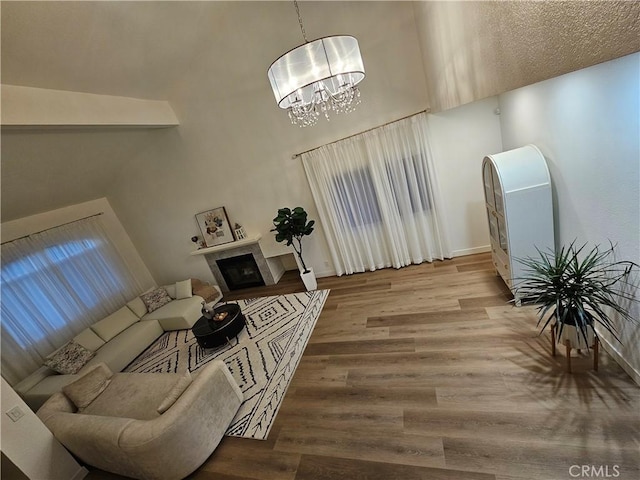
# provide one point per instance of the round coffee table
(212, 333)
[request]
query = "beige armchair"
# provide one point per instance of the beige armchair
(122, 432)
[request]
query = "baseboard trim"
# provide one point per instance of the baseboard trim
(326, 273)
(471, 251)
(455, 253)
(80, 474)
(620, 360)
(322, 274)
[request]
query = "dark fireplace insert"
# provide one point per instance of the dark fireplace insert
(240, 272)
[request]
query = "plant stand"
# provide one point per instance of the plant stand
(567, 344)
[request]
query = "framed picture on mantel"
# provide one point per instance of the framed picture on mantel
(215, 227)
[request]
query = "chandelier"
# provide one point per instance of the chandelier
(317, 77)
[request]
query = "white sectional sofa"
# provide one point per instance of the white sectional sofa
(116, 340)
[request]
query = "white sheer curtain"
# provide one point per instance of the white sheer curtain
(55, 284)
(378, 198)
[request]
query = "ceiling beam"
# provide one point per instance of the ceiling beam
(29, 107)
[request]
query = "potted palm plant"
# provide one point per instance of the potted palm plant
(577, 290)
(290, 226)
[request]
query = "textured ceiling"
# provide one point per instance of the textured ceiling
(473, 50)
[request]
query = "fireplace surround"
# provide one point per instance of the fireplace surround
(270, 269)
(240, 272)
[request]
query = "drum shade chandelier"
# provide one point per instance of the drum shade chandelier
(317, 77)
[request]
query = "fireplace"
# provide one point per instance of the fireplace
(240, 272)
(269, 269)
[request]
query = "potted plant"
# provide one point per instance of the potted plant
(291, 226)
(577, 290)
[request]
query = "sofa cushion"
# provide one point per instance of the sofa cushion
(117, 322)
(179, 314)
(138, 307)
(41, 392)
(86, 389)
(69, 359)
(133, 395)
(32, 380)
(180, 386)
(124, 348)
(155, 299)
(89, 340)
(183, 289)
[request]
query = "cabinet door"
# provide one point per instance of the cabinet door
(497, 192)
(495, 206)
(488, 184)
(493, 225)
(502, 233)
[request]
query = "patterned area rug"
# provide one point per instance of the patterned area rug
(262, 358)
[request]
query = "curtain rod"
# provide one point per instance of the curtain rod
(46, 229)
(296, 155)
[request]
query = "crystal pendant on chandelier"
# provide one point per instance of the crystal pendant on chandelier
(344, 100)
(318, 77)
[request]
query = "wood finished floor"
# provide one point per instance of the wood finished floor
(428, 373)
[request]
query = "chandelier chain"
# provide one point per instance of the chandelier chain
(309, 83)
(304, 34)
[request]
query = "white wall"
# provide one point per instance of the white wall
(36, 223)
(234, 149)
(461, 137)
(162, 190)
(31, 446)
(587, 125)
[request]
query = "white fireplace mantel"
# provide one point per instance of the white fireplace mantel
(228, 246)
(271, 269)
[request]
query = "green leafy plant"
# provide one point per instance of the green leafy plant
(291, 225)
(579, 289)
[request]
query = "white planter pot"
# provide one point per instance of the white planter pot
(575, 336)
(309, 280)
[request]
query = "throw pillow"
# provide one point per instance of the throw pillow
(155, 299)
(175, 392)
(69, 359)
(183, 289)
(87, 388)
(171, 290)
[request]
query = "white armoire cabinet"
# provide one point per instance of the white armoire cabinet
(517, 190)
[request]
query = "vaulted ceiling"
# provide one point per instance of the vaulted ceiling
(147, 50)
(131, 49)
(151, 50)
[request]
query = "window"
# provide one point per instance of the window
(54, 285)
(377, 197)
(408, 176)
(70, 264)
(355, 191)
(357, 198)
